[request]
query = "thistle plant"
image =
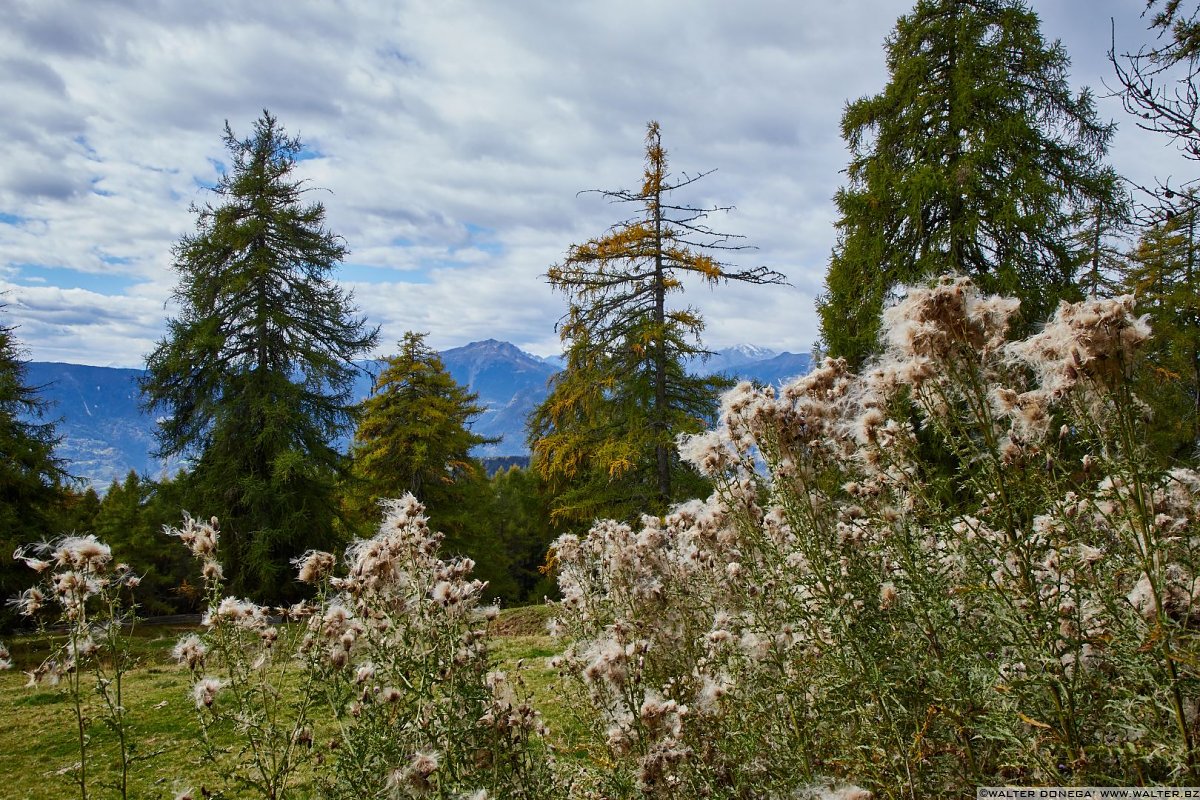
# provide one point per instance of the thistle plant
(251, 687)
(405, 675)
(382, 686)
(960, 567)
(91, 599)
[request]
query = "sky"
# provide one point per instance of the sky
(449, 142)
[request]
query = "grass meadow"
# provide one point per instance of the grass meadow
(38, 729)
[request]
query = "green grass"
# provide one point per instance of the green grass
(38, 734)
(523, 646)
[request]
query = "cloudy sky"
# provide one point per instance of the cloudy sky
(452, 138)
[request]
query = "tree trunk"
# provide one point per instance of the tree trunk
(659, 417)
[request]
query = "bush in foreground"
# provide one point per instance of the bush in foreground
(958, 568)
(381, 688)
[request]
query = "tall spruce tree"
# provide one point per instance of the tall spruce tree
(976, 157)
(1104, 242)
(254, 376)
(31, 475)
(605, 434)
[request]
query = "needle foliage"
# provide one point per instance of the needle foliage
(605, 435)
(253, 378)
(976, 158)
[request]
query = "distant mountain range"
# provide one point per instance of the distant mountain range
(105, 433)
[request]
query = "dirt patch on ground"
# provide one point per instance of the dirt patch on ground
(523, 621)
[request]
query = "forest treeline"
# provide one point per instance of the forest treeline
(976, 158)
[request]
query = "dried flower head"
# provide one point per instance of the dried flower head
(190, 651)
(1093, 339)
(199, 537)
(314, 566)
(29, 601)
(888, 595)
(242, 613)
(82, 553)
(416, 776)
(205, 691)
(944, 322)
(212, 572)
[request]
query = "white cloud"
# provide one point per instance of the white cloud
(453, 139)
(57, 324)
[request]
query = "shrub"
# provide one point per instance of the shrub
(405, 673)
(249, 685)
(380, 687)
(957, 568)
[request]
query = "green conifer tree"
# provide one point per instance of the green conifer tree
(976, 158)
(31, 475)
(254, 376)
(130, 519)
(520, 520)
(605, 435)
(1103, 243)
(1164, 276)
(414, 435)
(414, 432)
(77, 508)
